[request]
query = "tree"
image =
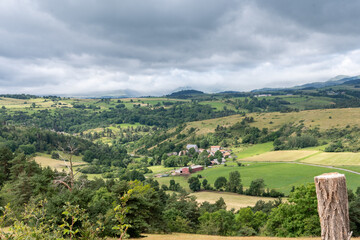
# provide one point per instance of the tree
(256, 187)
(194, 184)
(203, 158)
(176, 220)
(205, 184)
(68, 160)
(218, 155)
(234, 184)
(297, 218)
(220, 222)
(121, 211)
(220, 183)
(55, 155)
(88, 156)
(5, 157)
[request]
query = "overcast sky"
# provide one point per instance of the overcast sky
(156, 46)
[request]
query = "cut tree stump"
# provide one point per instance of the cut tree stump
(333, 206)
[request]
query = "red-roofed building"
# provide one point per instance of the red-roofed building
(213, 149)
(187, 171)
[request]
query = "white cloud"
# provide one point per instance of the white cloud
(153, 48)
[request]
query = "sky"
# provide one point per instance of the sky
(154, 47)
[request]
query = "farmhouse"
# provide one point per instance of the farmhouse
(213, 149)
(188, 170)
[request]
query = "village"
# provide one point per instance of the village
(216, 154)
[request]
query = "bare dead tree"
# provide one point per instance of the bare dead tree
(66, 154)
(333, 206)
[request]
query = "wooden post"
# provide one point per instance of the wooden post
(333, 206)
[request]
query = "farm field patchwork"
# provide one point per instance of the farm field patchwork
(280, 176)
(232, 200)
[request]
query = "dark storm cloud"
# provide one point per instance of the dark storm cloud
(153, 46)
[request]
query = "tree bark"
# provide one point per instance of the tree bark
(333, 206)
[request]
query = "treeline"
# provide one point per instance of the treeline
(253, 104)
(32, 140)
(18, 96)
(121, 135)
(232, 184)
(74, 120)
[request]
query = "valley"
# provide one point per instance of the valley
(218, 155)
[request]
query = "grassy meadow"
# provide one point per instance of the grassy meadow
(322, 118)
(249, 151)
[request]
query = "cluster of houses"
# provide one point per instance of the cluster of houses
(213, 149)
(226, 153)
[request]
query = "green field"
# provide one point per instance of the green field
(249, 151)
(352, 168)
(160, 169)
(280, 176)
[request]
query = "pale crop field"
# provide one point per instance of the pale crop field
(53, 163)
(280, 156)
(232, 200)
(25, 104)
(334, 159)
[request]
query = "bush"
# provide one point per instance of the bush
(28, 149)
(335, 147)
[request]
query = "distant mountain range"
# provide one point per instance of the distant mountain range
(187, 91)
(105, 94)
(338, 80)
